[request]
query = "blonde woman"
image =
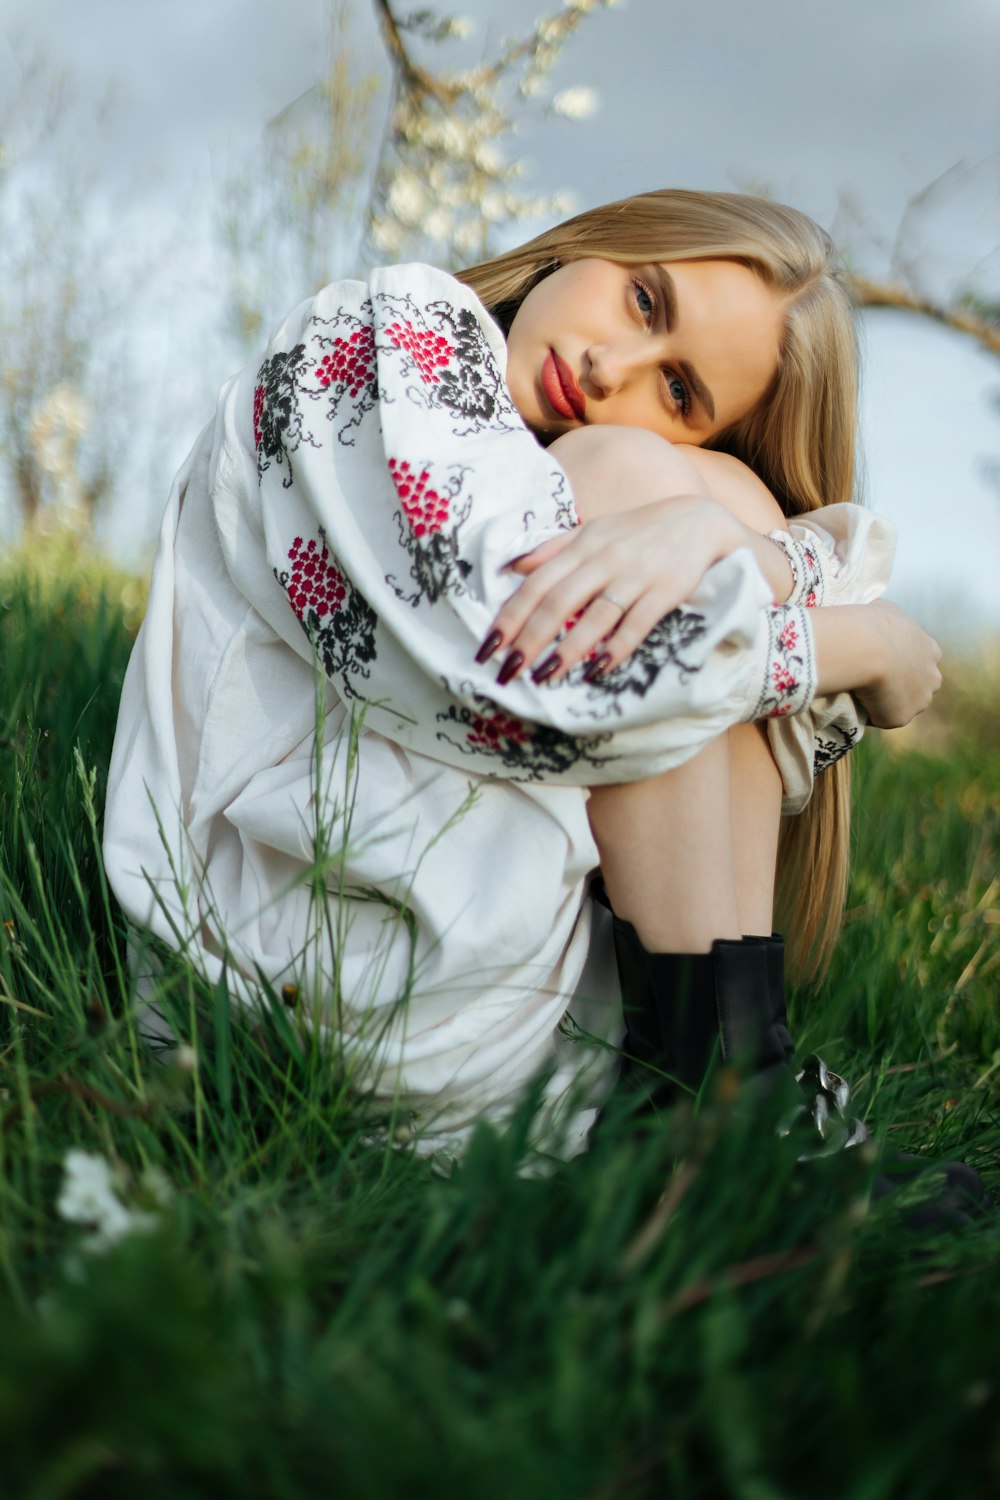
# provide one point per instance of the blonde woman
(545, 531)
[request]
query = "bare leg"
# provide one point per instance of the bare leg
(689, 856)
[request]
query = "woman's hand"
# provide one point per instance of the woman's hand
(614, 577)
(879, 654)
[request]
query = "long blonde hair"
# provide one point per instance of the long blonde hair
(800, 439)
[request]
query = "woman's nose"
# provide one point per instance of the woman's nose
(612, 365)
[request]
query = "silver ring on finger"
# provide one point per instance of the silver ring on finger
(605, 594)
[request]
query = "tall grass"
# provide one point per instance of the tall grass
(684, 1311)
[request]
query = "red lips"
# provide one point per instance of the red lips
(560, 388)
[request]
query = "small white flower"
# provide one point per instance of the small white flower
(461, 27)
(493, 207)
(406, 198)
(577, 104)
(185, 1058)
(457, 138)
(116, 1226)
(488, 158)
(438, 225)
(87, 1195)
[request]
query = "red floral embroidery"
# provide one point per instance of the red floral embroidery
(313, 581)
(784, 681)
(810, 601)
(258, 413)
(350, 362)
(337, 618)
(426, 509)
(790, 677)
(497, 731)
(429, 351)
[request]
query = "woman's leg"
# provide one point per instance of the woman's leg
(689, 856)
(688, 863)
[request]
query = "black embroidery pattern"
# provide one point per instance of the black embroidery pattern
(332, 612)
(827, 751)
(667, 644)
(447, 349)
(564, 512)
(531, 751)
(432, 513)
(277, 417)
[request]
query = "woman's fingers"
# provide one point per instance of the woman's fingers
(529, 561)
(604, 585)
(547, 594)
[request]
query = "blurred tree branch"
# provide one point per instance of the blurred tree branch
(901, 288)
(446, 176)
(982, 325)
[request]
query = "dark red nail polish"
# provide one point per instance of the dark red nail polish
(597, 666)
(548, 668)
(488, 647)
(514, 663)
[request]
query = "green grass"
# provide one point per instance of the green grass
(685, 1311)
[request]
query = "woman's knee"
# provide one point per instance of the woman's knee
(614, 468)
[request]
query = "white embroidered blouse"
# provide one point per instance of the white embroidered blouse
(303, 711)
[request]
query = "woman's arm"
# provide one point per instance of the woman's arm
(656, 517)
(881, 656)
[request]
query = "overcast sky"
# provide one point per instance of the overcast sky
(866, 101)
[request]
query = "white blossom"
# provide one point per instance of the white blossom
(438, 225)
(460, 27)
(577, 103)
(87, 1194)
(494, 207)
(89, 1197)
(185, 1058)
(488, 158)
(407, 199)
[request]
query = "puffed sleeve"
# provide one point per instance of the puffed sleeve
(375, 480)
(840, 554)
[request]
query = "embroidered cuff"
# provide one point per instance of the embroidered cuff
(806, 562)
(789, 664)
(832, 744)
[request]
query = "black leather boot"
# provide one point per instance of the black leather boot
(687, 1012)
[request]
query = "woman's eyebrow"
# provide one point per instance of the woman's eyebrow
(668, 298)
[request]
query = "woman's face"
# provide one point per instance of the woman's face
(683, 348)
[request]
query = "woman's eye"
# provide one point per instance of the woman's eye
(644, 299)
(679, 392)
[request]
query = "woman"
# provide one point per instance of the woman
(407, 848)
